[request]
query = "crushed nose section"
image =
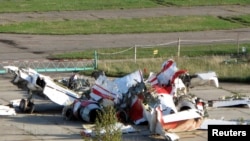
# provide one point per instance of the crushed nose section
(85, 110)
(90, 113)
(185, 102)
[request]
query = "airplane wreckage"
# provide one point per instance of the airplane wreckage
(40, 85)
(162, 100)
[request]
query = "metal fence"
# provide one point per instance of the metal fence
(52, 65)
(175, 48)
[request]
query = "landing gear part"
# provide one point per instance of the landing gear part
(23, 105)
(26, 106)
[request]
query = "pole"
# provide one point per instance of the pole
(238, 43)
(135, 53)
(179, 48)
(95, 60)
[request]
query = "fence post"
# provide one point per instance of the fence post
(179, 48)
(95, 60)
(238, 45)
(135, 53)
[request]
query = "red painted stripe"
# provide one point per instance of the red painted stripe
(166, 66)
(177, 74)
(97, 92)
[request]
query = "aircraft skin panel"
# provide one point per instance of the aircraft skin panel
(58, 96)
(225, 103)
(204, 78)
(25, 76)
(183, 115)
(130, 80)
(54, 92)
(105, 88)
(11, 68)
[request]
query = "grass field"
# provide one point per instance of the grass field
(227, 60)
(121, 26)
(69, 5)
(163, 51)
(199, 58)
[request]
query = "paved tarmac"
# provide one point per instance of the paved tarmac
(46, 123)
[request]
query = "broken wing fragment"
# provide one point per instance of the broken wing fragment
(41, 85)
(205, 78)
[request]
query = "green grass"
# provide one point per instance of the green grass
(232, 72)
(120, 26)
(107, 123)
(193, 58)
(235, 72)
(163, 51)
(69, 5)
(243, 19)
(201, 2)
(225, 59)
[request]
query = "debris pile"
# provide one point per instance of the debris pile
(162, 101)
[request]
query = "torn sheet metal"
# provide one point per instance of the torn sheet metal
(175, 109)
(6, 110)
(182, 115)
(124, 92)
(168, 118)
(77, 83)
(42, 86)
(86, 110)
(168, 78)
(229, 103)
(111, 89)
(15, 102)
(234, 100)
(169, 72)
(59, 94)
(205, 78)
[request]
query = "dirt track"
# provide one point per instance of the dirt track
(19, 46)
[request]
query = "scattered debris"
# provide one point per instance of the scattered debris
(205, 78)
(175, 109)
(41, 85)
(7, 110)
(15, 103)
(234, 100)
(77, 83)
(163, 101)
